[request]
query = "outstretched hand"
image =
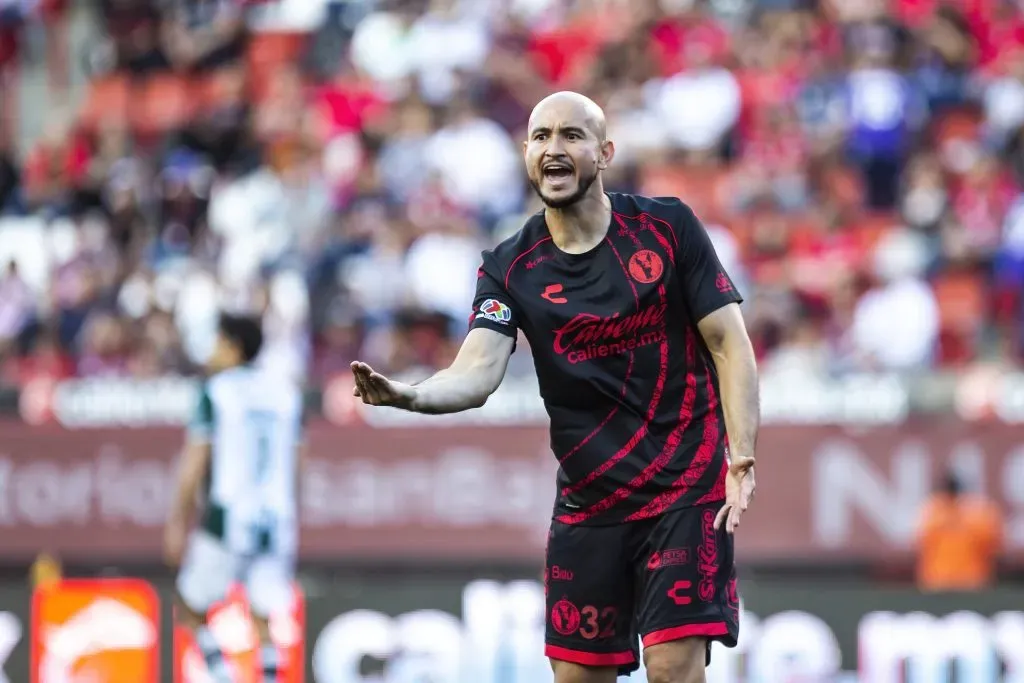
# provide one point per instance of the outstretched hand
(377, 390)
(739, 491)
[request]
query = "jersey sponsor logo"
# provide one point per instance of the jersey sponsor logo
(587, 336)
(707, 557)
(530, 265)
(668, 558)
(561, 574)
(645, 266)
(722, 283)
(103, 630)
(550, 293)
(495, 311)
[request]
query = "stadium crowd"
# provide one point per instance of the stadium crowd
(859, 164)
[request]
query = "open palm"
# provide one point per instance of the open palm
(739, 491)
(377, 390)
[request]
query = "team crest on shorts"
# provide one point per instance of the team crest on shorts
(565, 617)
(495, 311)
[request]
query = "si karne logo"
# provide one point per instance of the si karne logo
(231, 624)
(95, 631)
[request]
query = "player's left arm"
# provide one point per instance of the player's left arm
(726, 337)
(714, 302)
(195, 465)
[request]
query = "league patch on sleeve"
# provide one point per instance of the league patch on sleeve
(495, 311)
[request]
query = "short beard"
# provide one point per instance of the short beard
(582, 187)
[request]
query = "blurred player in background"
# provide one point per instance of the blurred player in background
(649, 378)
(243, 453)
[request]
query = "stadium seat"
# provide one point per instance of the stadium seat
(106, 101)
(956, 124)
(962, 300)
(212, 90)
(266, 53)
(872, 227)
(963, 304)
(702, 186)
(161, 103)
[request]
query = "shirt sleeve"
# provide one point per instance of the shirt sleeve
(493, 308)
(200, 427)
(706, 285)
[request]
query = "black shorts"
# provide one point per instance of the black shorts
(656, 580)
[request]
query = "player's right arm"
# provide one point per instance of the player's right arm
(475, 373)
(467, 383)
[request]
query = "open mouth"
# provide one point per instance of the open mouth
(557, 172)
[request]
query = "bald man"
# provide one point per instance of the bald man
(649, 379)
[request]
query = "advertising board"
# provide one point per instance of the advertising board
(484, 494)
(408, 628)
(488, 631)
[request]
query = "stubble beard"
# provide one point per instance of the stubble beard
(582, 187)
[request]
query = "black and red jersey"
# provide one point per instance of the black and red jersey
(630, 387)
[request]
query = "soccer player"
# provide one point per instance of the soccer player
(243, 452)
(649, 379)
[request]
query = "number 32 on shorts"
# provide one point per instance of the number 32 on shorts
(590, 622)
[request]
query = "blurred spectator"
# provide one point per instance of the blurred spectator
(56, 168)
(441, 268)
(1004, 100)
(403, 162)
(17, 308)
(945, 59)
(133, 37)
(925, 198)
(700, 130)
(895, 324)
(202, 34)
(9, 181)
(478, 162)
(959, 539)
(884, 109)
(446, 42)
(979, 202)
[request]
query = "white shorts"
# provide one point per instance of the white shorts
(210, 569)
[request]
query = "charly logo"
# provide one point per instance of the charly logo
(588, 336)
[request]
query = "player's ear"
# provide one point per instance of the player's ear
(607, 154)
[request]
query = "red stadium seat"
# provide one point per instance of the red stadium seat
(956, 124)
(107, 101)
(871, 228)
(700, 187)
(222, 86)
(162, 103)
(267, 52)
(962, 298)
